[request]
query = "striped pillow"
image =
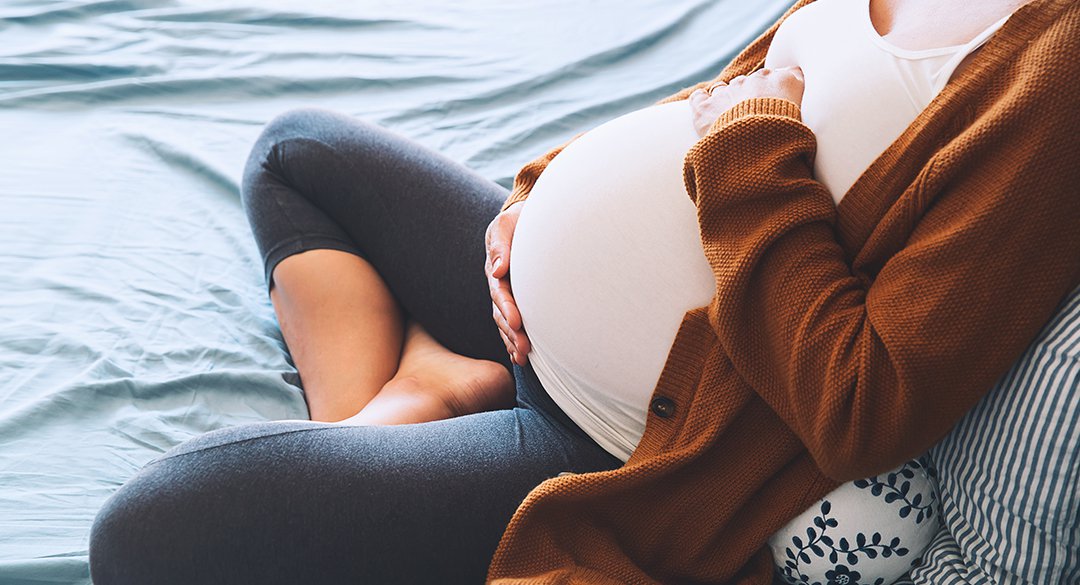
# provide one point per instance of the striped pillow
(1009, 473)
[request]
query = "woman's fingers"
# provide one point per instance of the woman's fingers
(504, 300)
(783, 82)
(500, 320)
(707, 105)
(516, 342)
(499, 286)
(508, 319)
(500, 233)
(504, 311)
(497, 250)
(504, 329)
(523, 345)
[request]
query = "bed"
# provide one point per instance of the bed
(133, 314)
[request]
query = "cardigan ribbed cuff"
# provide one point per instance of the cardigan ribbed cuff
(763, 106)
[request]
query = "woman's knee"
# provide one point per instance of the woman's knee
(171, 521)
(314, 124)
(297, 123)
(309, 133)
(139, 532)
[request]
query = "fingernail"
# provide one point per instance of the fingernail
(513, 356)
(496, 264)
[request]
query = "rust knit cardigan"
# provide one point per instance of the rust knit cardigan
(843, 340)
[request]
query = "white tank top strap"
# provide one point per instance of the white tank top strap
(856, 116)
(943, 61)
(945, 73)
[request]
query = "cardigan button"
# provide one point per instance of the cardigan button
(662, 407)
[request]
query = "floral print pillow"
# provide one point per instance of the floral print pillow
(866, 532)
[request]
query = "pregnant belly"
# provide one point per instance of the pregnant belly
(606, 259)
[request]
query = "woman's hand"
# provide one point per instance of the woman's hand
(785, 83)
(500, 232)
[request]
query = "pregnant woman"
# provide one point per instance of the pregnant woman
(800, 273)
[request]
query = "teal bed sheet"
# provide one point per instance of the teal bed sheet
(133, 313)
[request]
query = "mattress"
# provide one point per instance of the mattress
(133, 312)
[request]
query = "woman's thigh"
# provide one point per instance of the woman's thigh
(318, 179)
(314, 503)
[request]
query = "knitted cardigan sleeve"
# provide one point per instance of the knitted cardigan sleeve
(874, 364)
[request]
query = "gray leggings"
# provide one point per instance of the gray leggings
(314, 503)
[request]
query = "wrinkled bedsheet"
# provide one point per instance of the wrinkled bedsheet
(133, 314)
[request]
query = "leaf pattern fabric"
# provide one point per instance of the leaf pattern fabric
(867, 532)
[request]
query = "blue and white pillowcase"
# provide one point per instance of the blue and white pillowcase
(1009, 473)
(866, 532)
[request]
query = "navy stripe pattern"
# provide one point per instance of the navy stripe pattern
(1009, 473)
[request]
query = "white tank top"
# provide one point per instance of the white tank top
(606, 258)
(861, 91)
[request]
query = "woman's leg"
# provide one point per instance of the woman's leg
(434, 383)
(313, 503)
(342, 326)
(359, 230)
